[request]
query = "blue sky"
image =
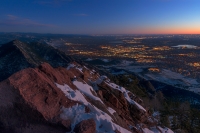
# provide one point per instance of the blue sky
(101, 16)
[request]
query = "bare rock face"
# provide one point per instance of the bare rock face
(59, 75)
(113, 100)
(16, 116)
(85, 126)
(117, 100)
(38, 89)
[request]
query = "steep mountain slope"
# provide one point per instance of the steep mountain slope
(17, 116)
(72, 99)
(16, 55)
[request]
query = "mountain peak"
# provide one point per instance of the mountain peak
(16, 41)
(28, 55)
(13, 43)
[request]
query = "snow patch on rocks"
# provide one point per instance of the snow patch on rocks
(86, 90)
(112, 111)
(76, 113)
(125, 92)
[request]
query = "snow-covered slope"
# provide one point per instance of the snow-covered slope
(104, 121)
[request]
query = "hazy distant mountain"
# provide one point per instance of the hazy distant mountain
(17, 55)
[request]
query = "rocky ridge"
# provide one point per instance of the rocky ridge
(72, 99)
(17, 55)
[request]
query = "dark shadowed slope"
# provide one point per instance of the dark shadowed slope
(17, 55)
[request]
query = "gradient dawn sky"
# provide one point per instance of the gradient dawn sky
(101, 16)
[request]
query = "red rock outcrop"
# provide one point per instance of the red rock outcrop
(38, 91)
(17, 116)
(35, 91)
(37, 87)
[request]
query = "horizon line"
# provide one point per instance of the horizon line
(105, 34)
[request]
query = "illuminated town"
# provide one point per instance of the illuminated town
(160, 51)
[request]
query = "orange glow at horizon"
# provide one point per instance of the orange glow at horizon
(166, 30)
(177, 31)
